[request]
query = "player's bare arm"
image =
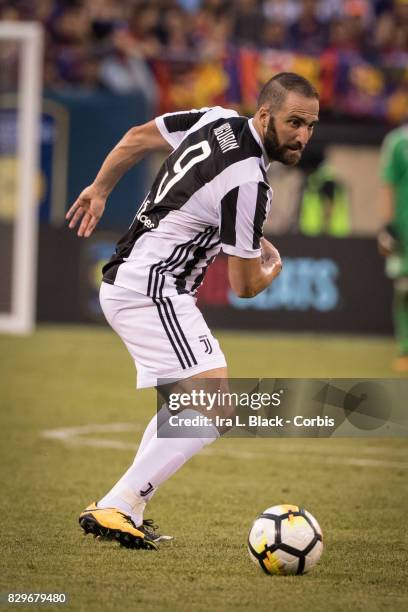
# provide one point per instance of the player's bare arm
(135, 144)
(248, 277)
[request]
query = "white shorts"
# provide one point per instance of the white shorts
(167, 338)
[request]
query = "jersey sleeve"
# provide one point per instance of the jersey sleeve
(243, 212)
(173, 126)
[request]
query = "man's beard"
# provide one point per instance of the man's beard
(277, 152)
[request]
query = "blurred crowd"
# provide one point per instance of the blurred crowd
(113, 43)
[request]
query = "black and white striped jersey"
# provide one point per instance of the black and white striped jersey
(210, 193)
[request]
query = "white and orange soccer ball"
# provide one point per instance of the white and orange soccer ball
(285, 540)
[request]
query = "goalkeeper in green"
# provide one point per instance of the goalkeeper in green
(393, 239)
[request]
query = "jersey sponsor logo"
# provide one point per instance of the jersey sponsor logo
(147, 222)
(226, 137)
(142, 217)
(207, 344)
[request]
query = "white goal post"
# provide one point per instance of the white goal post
(28, 37)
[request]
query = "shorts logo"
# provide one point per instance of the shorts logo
(207, 345)
(147, 491)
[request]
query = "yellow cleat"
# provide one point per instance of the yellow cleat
(112, 524)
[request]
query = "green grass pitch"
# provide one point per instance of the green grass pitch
(65, 377)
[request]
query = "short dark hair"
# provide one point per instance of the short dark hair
(274, 92)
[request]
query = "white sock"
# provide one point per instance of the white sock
(151, 429)
(121, 496)
(161, 458)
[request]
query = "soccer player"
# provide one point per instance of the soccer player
(211, 192)
(393, 239)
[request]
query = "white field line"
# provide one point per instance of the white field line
(323, 457)
(76, 436)
(403, 465)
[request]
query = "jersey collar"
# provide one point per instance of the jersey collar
(265, 160)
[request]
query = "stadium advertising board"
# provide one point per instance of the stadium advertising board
(324, 286)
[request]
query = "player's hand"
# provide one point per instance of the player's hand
(88, 208)
(270, 256)
(385, 243)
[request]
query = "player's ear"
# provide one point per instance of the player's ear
(263, 114)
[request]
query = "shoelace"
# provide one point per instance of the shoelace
(149, 526)
(128, 520)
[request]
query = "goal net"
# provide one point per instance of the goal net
(20, 99)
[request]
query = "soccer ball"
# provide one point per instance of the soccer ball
(285, 540)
